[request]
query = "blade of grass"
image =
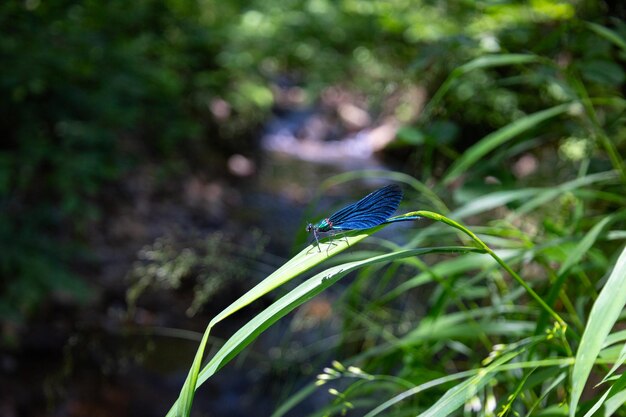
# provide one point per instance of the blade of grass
(499, 137)
(596, 130)
(607, 34)
(619, 362)
(482, 245)
(572, 259)
(604, 314)
(489, 61)
(547, 390)
(305, 260)
(302, 293)
(441, 330)
(614, 402)
(456, 396)
(416, 390)
(546, 195)
(443, 268)
(493, 200)
(612, 399)
(294, 400)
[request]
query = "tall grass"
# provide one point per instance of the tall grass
(523, 317)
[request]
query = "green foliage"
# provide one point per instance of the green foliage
(90, 90)
(516, 326)
(533, 318)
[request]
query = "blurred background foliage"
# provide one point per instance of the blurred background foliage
(95, 88)
(93, 91)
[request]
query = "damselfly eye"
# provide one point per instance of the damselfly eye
(309, 227)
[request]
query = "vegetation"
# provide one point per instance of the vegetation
(97, 90)
(508, 297)
(517, 317)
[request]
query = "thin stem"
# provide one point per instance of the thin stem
(529, 290)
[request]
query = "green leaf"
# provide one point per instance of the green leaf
(458, 395)
(573, 258)
(615, 401)
(612, 399)
(410, 136)
(608, 34)
(496, 60)
(602, 71)
(619, 362)
(498, 138)
(546, 195)
(305, 260)
(604, 314)
(296, 297)
(493, 200)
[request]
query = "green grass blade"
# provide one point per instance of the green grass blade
(546, 195)
(305, 260)
(614, 403)
(301, 294)
(572, 259)
(612, 399)
(619, 362)
(294, 400)
(499, 137)
(444, 268)
(586, 243)
(458, 395)
(603, 316)
(615, 337)
(488, 61)
(304, 292)
(187, 392)
(608, 34)
(597, 405)
(487, 249)
(416, 390)
(535, 197)
(493, 200)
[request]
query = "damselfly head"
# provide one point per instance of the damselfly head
(309, 227)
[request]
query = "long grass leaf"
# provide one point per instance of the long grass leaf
(294, 400)
(305, 260)
(416, 390)
(612, 399)
(495, 60)
(487, 249)
(304, 292)
(602, 317)
(614, 403)
(444, 268)
(493, 200)
(499, 137)
(499, 60)
(619, 362)
(573, 258)
(547, 195)
(608, 34)
(597, 405)
(458, 395)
